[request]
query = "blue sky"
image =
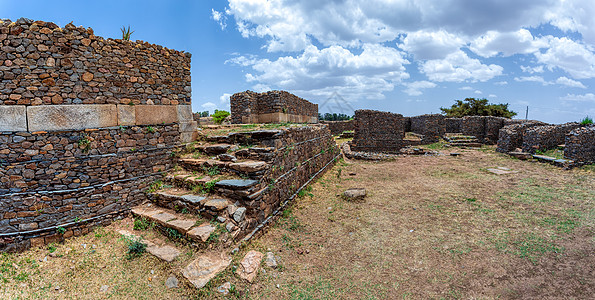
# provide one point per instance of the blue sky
(406, 56)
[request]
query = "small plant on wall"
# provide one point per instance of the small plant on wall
(84, 143)
(126, 33)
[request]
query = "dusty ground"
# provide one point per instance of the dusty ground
(432, 227)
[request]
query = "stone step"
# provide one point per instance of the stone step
(189, 226)
(239, 189)
(256, 137)
(230, 212)
(553, 160)
(156, 247)
(250, 168)
(478, 145)
(463, 141)
(216, 149)
(187, 180)
(205, 267)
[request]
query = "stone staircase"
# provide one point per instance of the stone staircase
(205, 200)
(463, 141)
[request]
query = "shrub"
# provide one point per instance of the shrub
(219, 116)
(135, 247)
(586, 121)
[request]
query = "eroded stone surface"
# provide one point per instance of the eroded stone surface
(355, 194)
(156, 114)
(249, 266)
(13, 118)
(216, 204)
(71, 117)
(249, 166)
(204, 268)
(201, 233)
(181, 224)
(166, 253)
(236, 184)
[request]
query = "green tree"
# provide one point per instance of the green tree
(477, 107)
(219, 116)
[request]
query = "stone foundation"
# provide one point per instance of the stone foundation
(271, 107)
(377, 131)
(546, 137)
(580, 145)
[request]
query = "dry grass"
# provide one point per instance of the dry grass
(431, 227)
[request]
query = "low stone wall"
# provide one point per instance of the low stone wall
(337, 127)
(271, 107)
(580, 145)
(432, 127)
(492, 129)
(511, 136)
(453, 125)
(475, 126)
(546, 137)
(302, 153)
(377, 131)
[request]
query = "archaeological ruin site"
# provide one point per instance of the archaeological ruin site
(95, 131)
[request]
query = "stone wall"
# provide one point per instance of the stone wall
(377, 131)
(511, 136)
(453, 125)
(86, 124)
(580, 145)
(271, 107)
(546, 137)
(302, 153)
(337, 127)
(432, 127)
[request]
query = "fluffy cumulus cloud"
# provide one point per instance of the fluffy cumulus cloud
(588, 97)
(415, 88)
(459, 67)
(321, 72)
(363, 49)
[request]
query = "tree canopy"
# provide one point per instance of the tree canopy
(477, 107)
(333, 117)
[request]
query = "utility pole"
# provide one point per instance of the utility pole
(527, 113)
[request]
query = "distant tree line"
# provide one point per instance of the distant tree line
(334, 117)
(203, 114)
(477, 107)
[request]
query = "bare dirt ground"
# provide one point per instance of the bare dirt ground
(431, 227)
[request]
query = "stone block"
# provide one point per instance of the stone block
(188, 136)
(126, 115)
(156, 114)
(188, 126)
(184, 113)
(13, 118)
(71, 117)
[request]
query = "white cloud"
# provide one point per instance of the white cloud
(492, 96)
(478, 92)
(589, 97)
(574, 16)
(210, 106)
(219, 17)
(532, 70)
(414, 88)
(320, 72)
(224, 101)
(493, 43)
(571, 83)
(538, 79)
(501, 83)
(575, 58)
(431, 45)
(458, 67)
(466, 88)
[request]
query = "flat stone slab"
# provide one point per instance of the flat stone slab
(520, 155)
(71, 117)
(156, 114)
(146, 212)
(167, 253)
(545, 158)
(262, 134)
(249, 166)
(13, 118)
(204, 268)
(216, 204)
(501, 171)
(193, 161)
(163, 217)
(216, 149)
(201, 233)
(249, 266)
(194, 199)
(181, 225)
(236, 184)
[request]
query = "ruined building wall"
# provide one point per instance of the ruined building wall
(86, 123)
(432, 127)
(580, 145)
(271, 107)
(511, 136)
(546, 137)
(377, 131)
(453, 125)
(337, 127)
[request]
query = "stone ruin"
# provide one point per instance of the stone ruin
(86, 124)
(377, 131)
(338, 127)
(271, 107)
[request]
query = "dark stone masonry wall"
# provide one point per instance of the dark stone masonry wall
(337, 127)
(511, 136)
(86, 124)
(453, 125)
(302, 153)
(546, 137)
(271, 107)
(377, 131)
(580, 145)
(432, 127)
(43, 64)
